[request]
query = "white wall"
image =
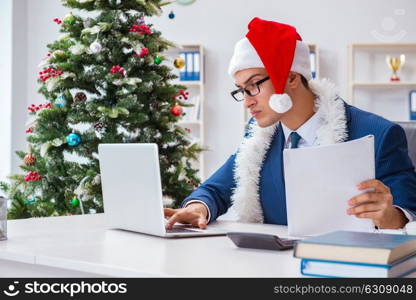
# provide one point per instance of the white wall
(20, 70)
(13, 83)
(332, 25)
(5, 87)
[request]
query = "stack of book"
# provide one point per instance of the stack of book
(357, 254)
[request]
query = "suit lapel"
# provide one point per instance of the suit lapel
(272, 185)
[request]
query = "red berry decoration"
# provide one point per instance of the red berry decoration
(177, 110)
(29, 159)
(134, 28)
(57, 21)
(182, 95)
(117, 69)
(33, 176)
(30, 129)
(34, 108)
(49, 72)
(143, 53)
(142, 29)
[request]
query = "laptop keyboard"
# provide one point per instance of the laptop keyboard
(180, 230)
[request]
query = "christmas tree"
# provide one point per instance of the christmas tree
(104, 83)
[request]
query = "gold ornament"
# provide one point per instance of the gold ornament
(179, 62)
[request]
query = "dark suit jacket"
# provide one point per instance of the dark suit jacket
(393, 167)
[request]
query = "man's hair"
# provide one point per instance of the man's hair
(304, 82)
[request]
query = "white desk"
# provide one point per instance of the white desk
(81, 246)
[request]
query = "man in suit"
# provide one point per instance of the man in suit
(271, 70)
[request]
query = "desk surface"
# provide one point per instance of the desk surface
(83, 243)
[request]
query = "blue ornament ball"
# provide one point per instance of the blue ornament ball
(171, 15)
(60, 101)
(73, 139)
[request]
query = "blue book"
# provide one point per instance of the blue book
(322, 268)
(182, 71)
(189, 61)
(196, 66)
(357, 247)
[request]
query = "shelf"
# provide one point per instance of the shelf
(196, 96)
(184, 123)
(188, 83)
(385, 45)
(383, 84)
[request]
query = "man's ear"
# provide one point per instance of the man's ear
(293, 80)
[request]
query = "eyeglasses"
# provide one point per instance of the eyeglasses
(252, 89)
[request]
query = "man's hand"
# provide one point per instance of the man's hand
(194, 214)
(377, 205)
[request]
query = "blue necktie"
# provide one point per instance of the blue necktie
(294, 139)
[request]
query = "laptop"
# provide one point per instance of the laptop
(132, 191)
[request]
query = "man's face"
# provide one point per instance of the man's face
(258, 105)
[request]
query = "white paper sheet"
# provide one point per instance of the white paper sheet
(320, 181)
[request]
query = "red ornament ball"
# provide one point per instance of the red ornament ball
(177, 110)
(80, 97)
(99, 126)
(29, 159)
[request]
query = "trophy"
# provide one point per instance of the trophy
(395, 63)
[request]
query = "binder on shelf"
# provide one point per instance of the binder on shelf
(412, 105)
(196, 70)
(312, 57)
(192, 69)
(182, 71)
(189, 66)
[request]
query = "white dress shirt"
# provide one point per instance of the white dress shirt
(307, 132)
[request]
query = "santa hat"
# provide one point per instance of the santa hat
(279, 49)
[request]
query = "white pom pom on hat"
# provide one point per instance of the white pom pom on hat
(279, 49)
(280, 103)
